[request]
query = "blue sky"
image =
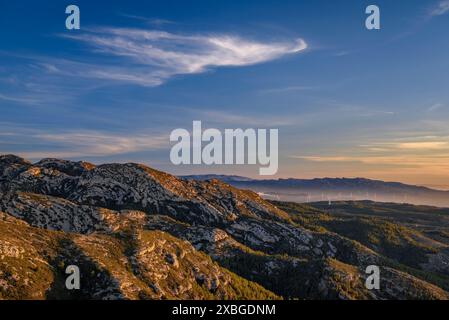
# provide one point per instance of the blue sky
(347, 101)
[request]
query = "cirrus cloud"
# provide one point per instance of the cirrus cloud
(150, 58)
(440, 9)
(79, 143)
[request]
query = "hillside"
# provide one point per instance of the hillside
(138, 233)
(415, 236)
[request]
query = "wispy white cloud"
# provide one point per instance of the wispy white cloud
(39, 94)
(440, 8)
(289, 89)
(342, 53)
(424, 145)
(152, 21)
(150, 58)
(435, 107)
(97, 143)
(245, 120)
(82, 143)
(18, 99)
(429, 154)
(432, 163)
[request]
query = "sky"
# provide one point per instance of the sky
(347, 101)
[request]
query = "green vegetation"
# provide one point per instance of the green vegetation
(189, 234)
(384, 228)
(131, 264)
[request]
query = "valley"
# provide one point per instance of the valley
(139, 233)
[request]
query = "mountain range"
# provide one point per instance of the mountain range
(335, 189)
(138, 233)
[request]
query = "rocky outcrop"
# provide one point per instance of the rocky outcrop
(140, 233)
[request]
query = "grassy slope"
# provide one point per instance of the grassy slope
(384, 228)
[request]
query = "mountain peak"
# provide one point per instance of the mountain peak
(325, 189)
(11, 159)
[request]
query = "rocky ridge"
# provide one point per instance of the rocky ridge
(139, 233)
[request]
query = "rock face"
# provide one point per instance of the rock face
(138, 233)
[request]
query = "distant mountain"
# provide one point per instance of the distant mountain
(138, 233)
(334, 189)
(224, 178)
